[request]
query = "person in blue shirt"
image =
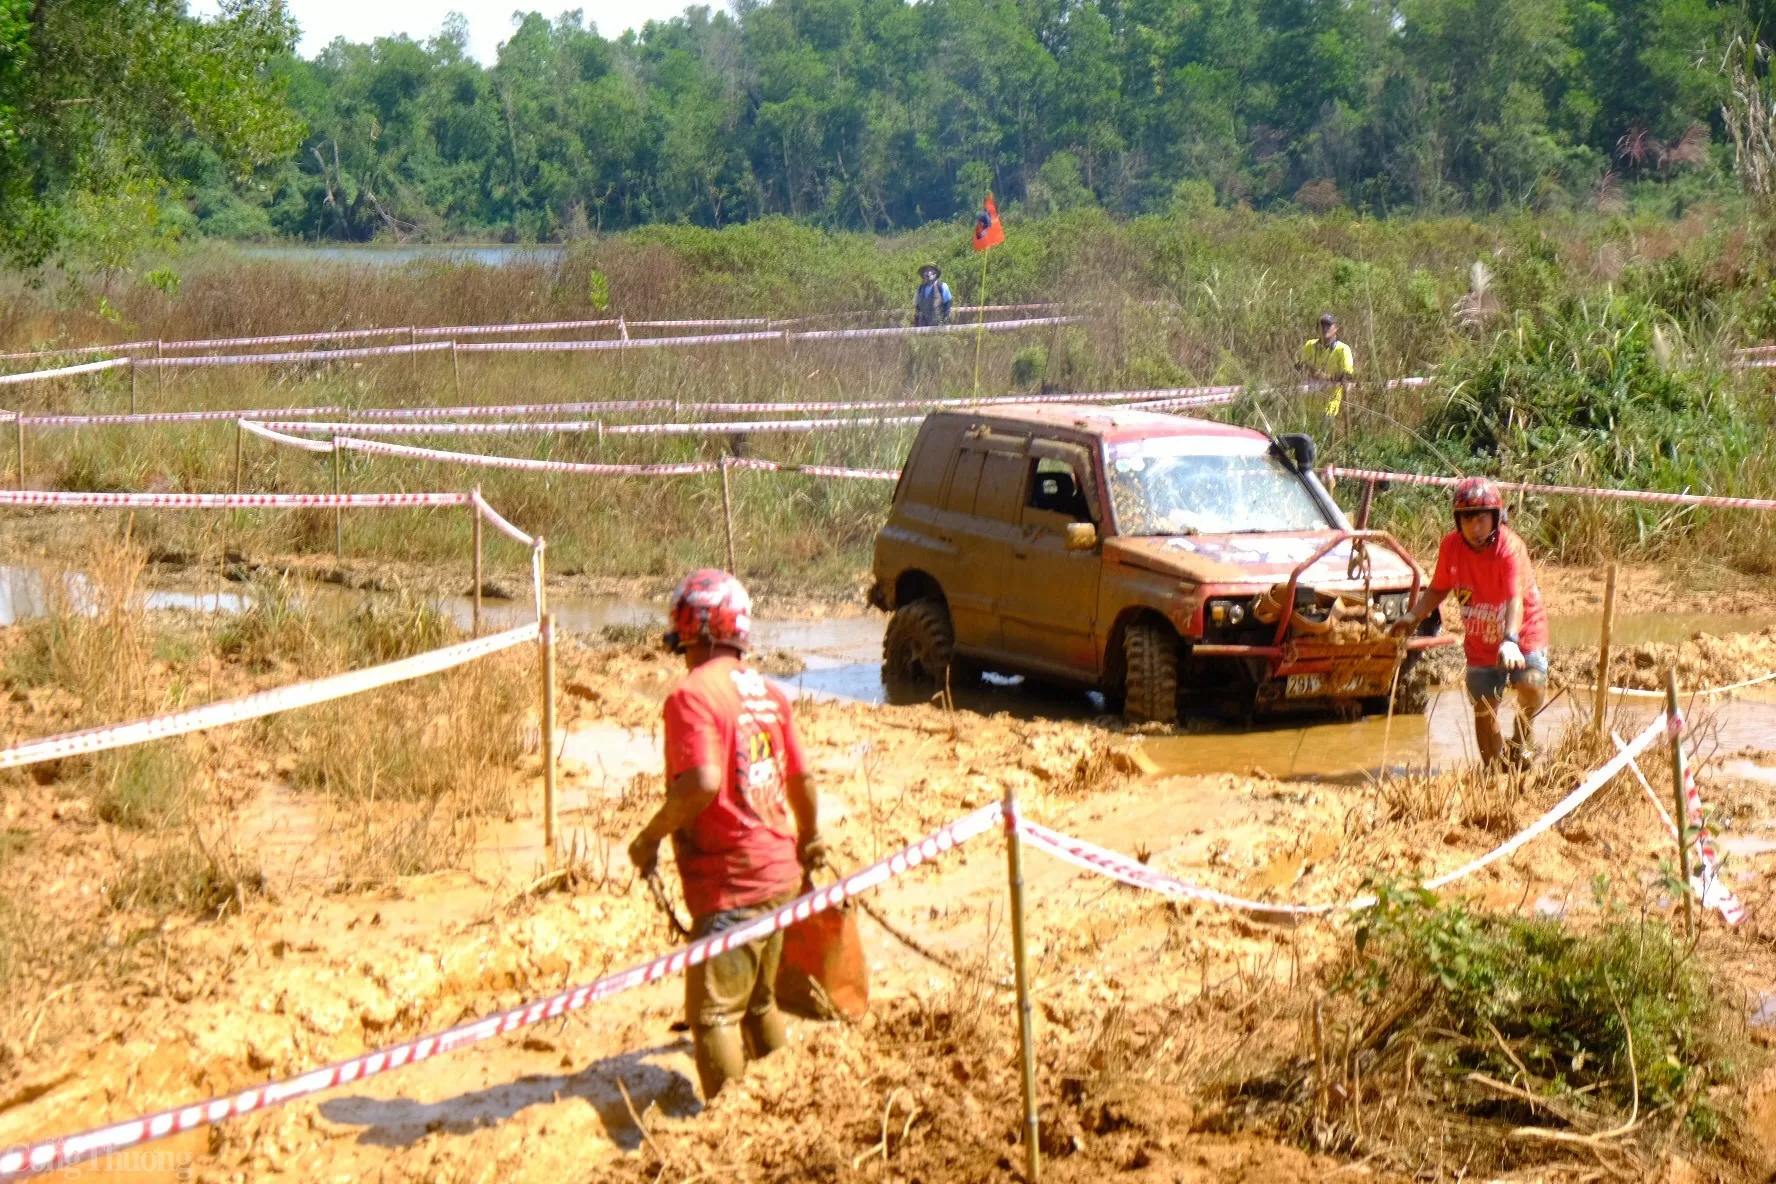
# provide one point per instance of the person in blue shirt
(932, 304)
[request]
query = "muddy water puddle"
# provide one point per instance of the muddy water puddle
(841, 659)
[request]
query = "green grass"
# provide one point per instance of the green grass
(1598, 358)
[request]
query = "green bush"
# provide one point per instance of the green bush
(145, 787)
(1502, 994)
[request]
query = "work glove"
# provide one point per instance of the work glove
(644, 853)
(1511, 655)
(811, 851)
(1404, 627)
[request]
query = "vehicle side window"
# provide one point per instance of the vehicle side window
(1056, 488)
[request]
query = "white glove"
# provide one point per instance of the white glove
(1510, 655)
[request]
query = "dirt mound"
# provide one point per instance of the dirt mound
(1705, 660)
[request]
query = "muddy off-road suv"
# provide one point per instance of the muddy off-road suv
(1169, 563)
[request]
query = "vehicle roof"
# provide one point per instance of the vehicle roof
(1107, 423)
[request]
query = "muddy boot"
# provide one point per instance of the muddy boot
(765, 1034)
(721, 1057)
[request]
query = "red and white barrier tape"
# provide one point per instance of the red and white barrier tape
(746, 462)
(483, 460)
(532, 427)
(932, 330)
(286, 338)
(69, 351)
(298, 357)
(528, 327)
(65, 371)
(621, 343)
(1630, 495)
(1151, 399)
(264, 703)
(1708, 886)
(227, 501)
(72, 1149)
(264, 433)
(163, 417)
(1139, 875)
(494, 519)
(1702, 693)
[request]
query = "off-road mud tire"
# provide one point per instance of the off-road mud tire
(1412, 693)
(1150, 652)
(919, 650)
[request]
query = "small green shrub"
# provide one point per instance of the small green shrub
(145, 787)
(275, 625)
(186, 876)
(384, 631)
(1499, 995)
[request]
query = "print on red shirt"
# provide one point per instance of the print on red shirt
(741, 850)
(1483, 583)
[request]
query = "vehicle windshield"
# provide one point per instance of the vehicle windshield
(1195, 485)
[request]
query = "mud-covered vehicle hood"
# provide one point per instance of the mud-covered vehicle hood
(1256, 559)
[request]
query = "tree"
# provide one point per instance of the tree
(103, 102)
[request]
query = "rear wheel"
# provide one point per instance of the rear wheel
(919, 649)
(1150, 652)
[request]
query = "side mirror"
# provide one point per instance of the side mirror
(1081, 536)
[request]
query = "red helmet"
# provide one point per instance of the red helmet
(712, 607)
(1478, 493)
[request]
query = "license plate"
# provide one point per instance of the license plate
(1305, 684)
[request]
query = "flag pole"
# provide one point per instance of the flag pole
(980, 329)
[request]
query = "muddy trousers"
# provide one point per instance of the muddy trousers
(731, 999)
(1486, 687)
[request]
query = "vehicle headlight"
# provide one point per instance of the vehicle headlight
(1227, 612)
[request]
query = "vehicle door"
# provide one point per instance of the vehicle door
(982, 508)
(1050, 604)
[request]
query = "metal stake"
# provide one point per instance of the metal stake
(1674, 720)
(546, 638)
(1014, 855)
(239, 433)
(728, 514)
(1363, 506)
(338, 511)
(1601, 707)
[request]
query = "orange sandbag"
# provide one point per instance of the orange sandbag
(823, 975)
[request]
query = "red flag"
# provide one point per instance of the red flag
(987, 231)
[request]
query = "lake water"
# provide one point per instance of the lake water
(374, 255)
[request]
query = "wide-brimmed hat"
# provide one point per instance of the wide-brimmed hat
(932, 268)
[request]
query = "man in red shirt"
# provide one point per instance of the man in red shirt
(738, 795)
(1504, 627)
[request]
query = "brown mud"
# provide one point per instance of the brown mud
(1148, 1010)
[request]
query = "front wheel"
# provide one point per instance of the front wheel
(1150, 652)
(919, 650)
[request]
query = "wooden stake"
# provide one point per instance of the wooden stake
(413, 358)
(1682, 816)
(980, 324)
(18, 421)
(1014, 856)
(132, 370)
(456, 373)
(338, 511)
(159, 375)
(728, 514)
(546, 639)
(1601, 708)
(475, 518)
(239, 434)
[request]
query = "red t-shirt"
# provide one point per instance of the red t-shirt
(741, 850)
(1483, 583)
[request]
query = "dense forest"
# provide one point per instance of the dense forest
(884, 114)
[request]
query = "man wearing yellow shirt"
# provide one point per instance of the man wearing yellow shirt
(1329, 360)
